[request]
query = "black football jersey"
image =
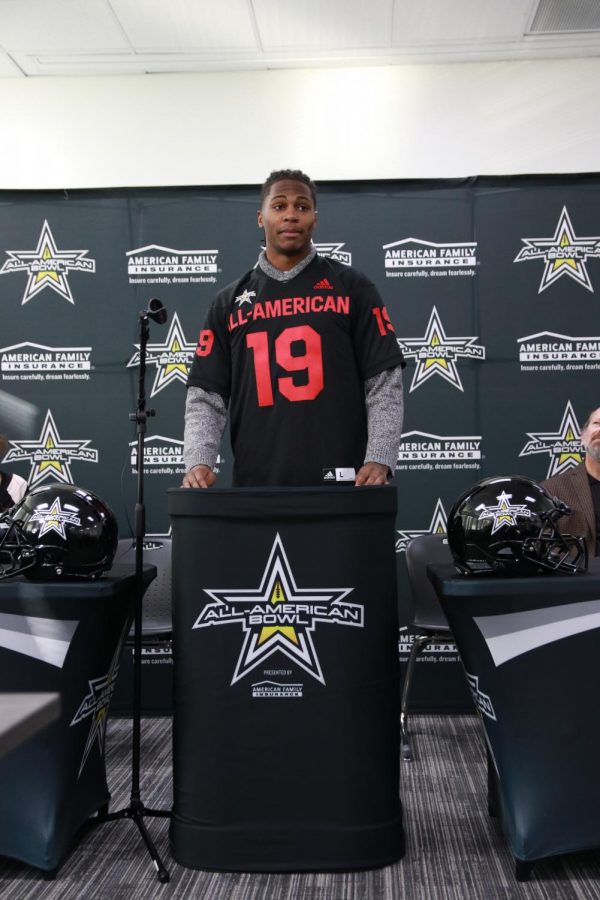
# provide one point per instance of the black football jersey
(291, 358)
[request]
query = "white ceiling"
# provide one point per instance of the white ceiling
(133, 37)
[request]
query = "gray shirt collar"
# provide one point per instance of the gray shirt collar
(279, 274)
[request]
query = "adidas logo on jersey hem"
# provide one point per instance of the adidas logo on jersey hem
(339, 474)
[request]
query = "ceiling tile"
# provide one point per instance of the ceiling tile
(314, 24)
(432, 21)
(186, 25)
(55, 26)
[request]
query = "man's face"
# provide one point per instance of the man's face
(288, 217)
(590, 436)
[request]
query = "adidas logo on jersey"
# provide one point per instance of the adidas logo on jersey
(339, 474)
(324, 284)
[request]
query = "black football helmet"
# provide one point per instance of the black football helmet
(58, 531)
(507, 526)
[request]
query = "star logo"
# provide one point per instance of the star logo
(436, 354)
(438, 525)
(482, 701)
(335, 251)
(564, 254)
(504, 513)
(95, 705)
(245, 297)
(562, 446)
(172, 359)
(47, 266)
(278, 616)
(55, 519)
(50, 456)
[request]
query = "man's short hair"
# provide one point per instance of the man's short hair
(4, 444)
(589, 418)
(288, 175)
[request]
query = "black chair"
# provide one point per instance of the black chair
(428, 616)
(157, 620)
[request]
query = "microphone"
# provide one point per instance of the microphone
(155, 311)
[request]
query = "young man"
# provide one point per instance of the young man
(579, 488)
(302, 353)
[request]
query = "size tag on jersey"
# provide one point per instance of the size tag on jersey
(336, 474)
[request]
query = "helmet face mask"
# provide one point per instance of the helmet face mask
(59, 531)
(507, 526)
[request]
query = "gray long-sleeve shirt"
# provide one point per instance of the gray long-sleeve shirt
(206, 417)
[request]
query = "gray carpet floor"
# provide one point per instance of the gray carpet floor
(454, 850)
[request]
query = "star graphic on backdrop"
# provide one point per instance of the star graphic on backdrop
(436, 353)
(438, 525)
(565, 254)
(50, 455)
(47, 266)
(172, 358)
(278, 616)
(563, 446)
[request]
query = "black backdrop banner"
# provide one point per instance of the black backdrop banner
(491, 283)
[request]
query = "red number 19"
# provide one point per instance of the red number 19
(383, 320)
(311, 361)
(206, 340)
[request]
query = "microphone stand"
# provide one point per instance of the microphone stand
(136, 809)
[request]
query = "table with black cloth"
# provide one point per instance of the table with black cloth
(531, 650)
(64, 637)
(23, 715)
(286, 722)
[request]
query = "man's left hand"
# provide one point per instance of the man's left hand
(372, 473)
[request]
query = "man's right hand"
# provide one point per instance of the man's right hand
(199, 477)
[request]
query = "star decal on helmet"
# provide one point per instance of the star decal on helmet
(504, 513)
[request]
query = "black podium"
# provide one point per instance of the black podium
(64, 637)
(286, 724)
(530, 647)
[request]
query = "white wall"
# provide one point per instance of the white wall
(233, 128)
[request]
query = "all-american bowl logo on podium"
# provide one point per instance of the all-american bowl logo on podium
(278, 617)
